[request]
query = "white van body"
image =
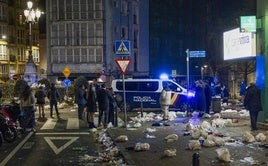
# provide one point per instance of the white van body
(147, 92)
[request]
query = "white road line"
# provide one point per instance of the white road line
(62, 133)
(14, 151)
(50, 124)
(56, 149)
(73, 123)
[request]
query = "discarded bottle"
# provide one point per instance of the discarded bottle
(79, 148)
(186, 133)
(195, 159)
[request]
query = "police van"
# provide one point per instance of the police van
(146, 92)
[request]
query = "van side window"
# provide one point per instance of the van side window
(129, 86)
(138, 86)
(148, 86)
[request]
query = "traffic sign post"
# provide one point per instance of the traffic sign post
(66, 71)
(122, 47)
(66, 82)
(123, 65)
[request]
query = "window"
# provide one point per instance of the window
(148, 86)
(69, 56)
(124, 7)
(172, 86)
(21, 54)
(3, 52)
(91, 55)
(138, 86)
(99, 55)
(35, 55)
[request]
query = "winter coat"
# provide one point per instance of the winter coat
(40, 96)
(53, 95)
(103, 99)
(91, 101)
(81, 97)
(165, 97)
(252, 100)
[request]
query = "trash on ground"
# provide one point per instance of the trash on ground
(260, 137)
(150, 130)
(170, 152)
(149, 136)
(248, 160)
(194, 145)
(248, 137)
(172, 138)
(121, 138)
(223, 154)
(142, 146)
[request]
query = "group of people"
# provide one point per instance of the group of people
(28, 100)
(92, 98)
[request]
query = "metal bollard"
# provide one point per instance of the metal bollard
(195, 159)
(141, 109)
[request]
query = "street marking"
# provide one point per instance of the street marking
(50, 124)
(73, 123)
(53, 146)
(62, 133)
(14, 151)
(28, 145)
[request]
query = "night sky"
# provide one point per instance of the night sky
(42, 20)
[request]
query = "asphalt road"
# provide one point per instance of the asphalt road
(56, 142)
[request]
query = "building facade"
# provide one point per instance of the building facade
(81, 35)
(14, 39)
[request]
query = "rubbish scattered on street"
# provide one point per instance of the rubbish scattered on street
(248, 137)
(170, 152)
(223, 154)
(142, 146)
(149, 136)
(121, 138)
(172, 138)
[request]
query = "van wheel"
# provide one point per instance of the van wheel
(128, 107)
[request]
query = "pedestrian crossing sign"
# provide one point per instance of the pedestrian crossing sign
(122, 47)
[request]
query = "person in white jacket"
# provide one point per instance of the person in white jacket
(164, 100)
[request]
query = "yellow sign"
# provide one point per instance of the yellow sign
(66, 71)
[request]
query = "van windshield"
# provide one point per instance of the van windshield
(172, 86)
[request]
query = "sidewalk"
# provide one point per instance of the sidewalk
(208, 156)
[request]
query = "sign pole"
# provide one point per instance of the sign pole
(125, 104)
(188, 73)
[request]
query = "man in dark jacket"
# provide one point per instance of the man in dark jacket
(252, 102)
(103, 103)
(53, 96)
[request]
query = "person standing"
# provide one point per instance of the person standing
(208, 94)
(91, 98)
(200, 98)
(40, 96)
(81, 101)
(103, 103)
(225, 94)
(242, 91)
(53, 96)
(112, 106)
(165, 98)
(252, 102)
(27, 106)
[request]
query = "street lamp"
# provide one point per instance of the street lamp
(31, 17)
(202, 71)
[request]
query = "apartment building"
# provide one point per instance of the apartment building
(81, 35)
(14, 39)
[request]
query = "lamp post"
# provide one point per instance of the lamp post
(202, 71)
(31, 17)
